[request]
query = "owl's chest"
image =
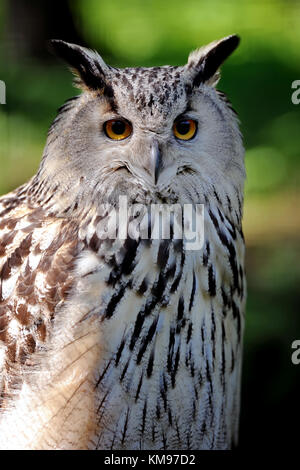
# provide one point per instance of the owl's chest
(160, 329)
(144, 296)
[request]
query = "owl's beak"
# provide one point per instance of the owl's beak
(155, 163)
(151, 165)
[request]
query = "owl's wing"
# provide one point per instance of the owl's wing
(36, 259)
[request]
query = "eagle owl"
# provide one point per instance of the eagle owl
(126, 342)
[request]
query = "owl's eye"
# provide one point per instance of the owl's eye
(185, 129)
(117, 129)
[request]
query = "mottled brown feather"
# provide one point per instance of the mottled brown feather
(26, 313)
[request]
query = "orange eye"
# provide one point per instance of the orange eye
(117, 129)
(185, 129)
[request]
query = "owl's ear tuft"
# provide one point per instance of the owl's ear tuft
(87, 65)
(203, 64)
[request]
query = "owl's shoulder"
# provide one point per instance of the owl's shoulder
(37, 257)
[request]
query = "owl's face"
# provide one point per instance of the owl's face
(162, 131)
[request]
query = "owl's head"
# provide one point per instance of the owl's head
(161, 131)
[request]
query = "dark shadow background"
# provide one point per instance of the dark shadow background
(258, 80)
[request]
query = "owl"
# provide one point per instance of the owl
(110, 339)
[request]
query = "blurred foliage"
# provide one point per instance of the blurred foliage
(257, 78)
(145, 31)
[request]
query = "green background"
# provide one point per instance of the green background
(258, 79)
